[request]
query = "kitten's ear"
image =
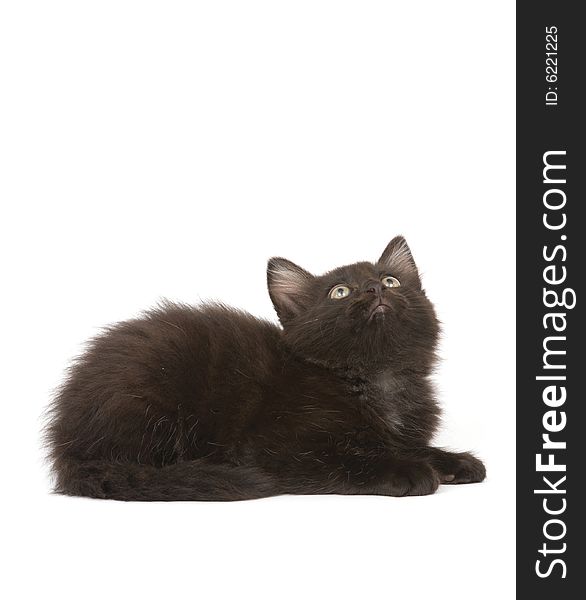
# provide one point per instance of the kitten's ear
(287, 287)
(398, 255)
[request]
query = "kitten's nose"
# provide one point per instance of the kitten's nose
(374, 287)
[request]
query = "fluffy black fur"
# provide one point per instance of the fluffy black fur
(211, 403)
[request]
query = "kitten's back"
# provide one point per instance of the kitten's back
(146, 389)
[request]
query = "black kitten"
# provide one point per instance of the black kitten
(212, 403)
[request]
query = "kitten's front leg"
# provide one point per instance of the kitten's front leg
(455, 467)
(394, 477)
(408, 478)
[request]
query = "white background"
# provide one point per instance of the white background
(167, 149)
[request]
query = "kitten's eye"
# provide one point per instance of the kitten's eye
(340, 291)
(389, 281)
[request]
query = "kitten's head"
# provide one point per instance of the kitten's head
(365, 316)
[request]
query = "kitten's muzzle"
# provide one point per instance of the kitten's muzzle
(379, 305)
(374, 292)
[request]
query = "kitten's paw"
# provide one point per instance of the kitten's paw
(461, 468)
(413, 479)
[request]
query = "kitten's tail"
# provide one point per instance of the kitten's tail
(189, 480)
